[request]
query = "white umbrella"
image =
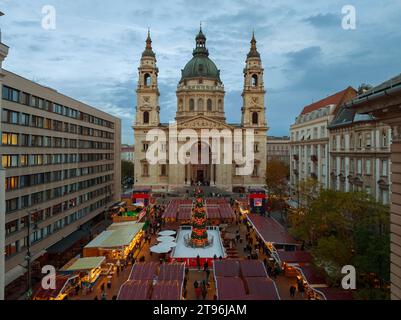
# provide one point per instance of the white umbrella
(160, 249)
(167, 233)
(168, 244)
(165, 239)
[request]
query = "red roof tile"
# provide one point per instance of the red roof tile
(336, 99)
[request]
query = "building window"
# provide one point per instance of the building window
(146, 117)
(200, 105)
(12, 183)
(147, 80)
(9, 161)
(368, 140)
(9, 139)
(360, 140)
(384, 139)
(24, 119)
(359, 166)
(191, 105)
(256, 148)
(145, 147)
(255, 118)
(163, 170)
(12, 205)
(220, 105)
(10, 94)
(145, 170)
(10, 116)
(368, 167)
(254, 80)
(384, 168)
(209, 105)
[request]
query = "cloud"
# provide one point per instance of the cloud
(305, 56)
(94, 52)
(324, 20)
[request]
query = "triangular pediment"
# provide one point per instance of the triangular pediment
(202, 122)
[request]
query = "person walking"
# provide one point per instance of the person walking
(204, 290)
(292, 291)
(301, 289)
(198, 293)
(104, 295)
(207, 274)
(205, 266)
(198, 263)
(196, 284)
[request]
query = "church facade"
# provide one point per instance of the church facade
(200, 108)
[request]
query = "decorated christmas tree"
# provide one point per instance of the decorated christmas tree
(199, 236)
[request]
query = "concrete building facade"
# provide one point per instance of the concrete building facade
(3, 55)
(278, 148)
(128, 153)
(62, 166)
(384, 103)
(310, 139)
(360, 154)
(200, 106)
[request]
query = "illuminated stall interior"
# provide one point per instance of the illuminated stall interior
(117, 242)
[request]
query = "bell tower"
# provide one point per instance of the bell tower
(253, 110)
(147, 92)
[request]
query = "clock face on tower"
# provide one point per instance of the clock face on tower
(146, 99)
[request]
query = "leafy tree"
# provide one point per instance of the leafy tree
(127, 169)
(347, 228)
(277, 173)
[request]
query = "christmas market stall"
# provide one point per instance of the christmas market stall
(291, 259)
(65, 285)
(117, 242)
(89, 269)
(167, 290)
(243, 280)
(272, 234)
(135, 290)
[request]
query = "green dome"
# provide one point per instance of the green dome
(200, 66)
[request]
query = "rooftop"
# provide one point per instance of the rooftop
(335, 99)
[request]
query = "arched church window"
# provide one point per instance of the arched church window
(209, 105)
(200, 105)
(255, 118)
(191, 105)
(147, 80)
(220, 105)
(146, 117)
(254, 80)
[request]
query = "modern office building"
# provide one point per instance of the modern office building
(3, 55)
(278, 148)
(62, 166)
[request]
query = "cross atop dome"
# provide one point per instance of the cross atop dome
(253, 52)
(148, 49)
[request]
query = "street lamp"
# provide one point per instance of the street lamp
(28, 256)
(108, 192)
